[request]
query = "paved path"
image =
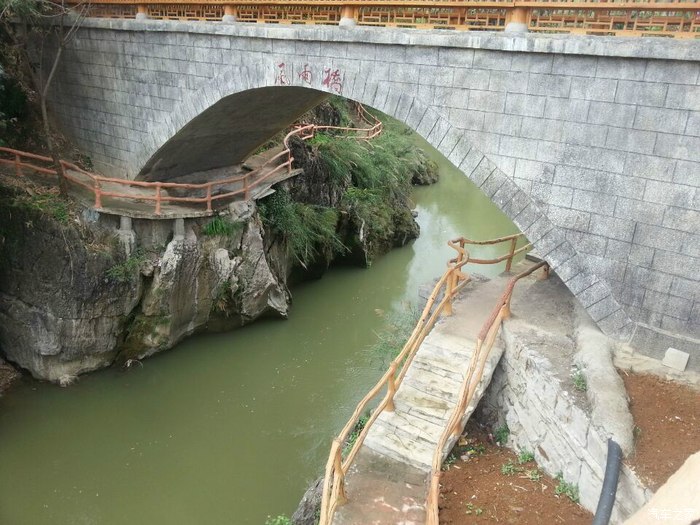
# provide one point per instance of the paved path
(137, 206)
(388, 482)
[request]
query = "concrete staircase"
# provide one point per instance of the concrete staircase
(388, 482)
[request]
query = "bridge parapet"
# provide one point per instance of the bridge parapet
(670, 18)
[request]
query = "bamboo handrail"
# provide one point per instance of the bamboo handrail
(249, 180)
(449, 284)
(484, 345)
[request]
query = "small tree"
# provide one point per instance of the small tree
(30, 25)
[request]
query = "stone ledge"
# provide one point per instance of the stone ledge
(526, 43)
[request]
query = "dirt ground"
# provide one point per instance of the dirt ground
(486, 483)
(8, 375)
(667, 426)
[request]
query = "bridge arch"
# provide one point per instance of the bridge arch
(198, 117)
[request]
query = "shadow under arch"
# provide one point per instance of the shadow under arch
(258, 84)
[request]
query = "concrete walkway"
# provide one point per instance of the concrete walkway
(388, 482)
(137, 205)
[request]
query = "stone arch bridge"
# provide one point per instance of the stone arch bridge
(591, 145)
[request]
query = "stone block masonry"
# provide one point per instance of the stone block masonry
(589, 144)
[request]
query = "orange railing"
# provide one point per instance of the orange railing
(673, 18)
(439, 302)
(475, 371)
(102, 186)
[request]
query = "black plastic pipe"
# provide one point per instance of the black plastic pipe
(607, 493)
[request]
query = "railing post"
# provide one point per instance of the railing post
(545, 272)
(391, 388)
(517, 19)
(509, 263)
(449, 289)
(338, 468)
(141, 12)
(230, 14)
(157, 198)
(348, 16)
(209, 197)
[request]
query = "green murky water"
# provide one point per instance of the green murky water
(224, 429)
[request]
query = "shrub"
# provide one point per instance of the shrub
(221, 226)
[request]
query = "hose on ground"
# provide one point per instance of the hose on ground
(607, 493)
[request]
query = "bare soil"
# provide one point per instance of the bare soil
(477, 488)
(8, 375)
(667, 426)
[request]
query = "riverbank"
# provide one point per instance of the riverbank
(130, 290)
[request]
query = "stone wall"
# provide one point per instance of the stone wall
(590, 144)
(546, 419)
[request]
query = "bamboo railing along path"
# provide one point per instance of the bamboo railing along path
(636, 18)
(149, 198)
(425, 393)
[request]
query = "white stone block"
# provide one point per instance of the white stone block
(676, 359)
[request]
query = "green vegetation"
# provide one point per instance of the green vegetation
(222, 226)
(450, 460)
(308, 231)
(47, 203)
(501, 434)
(533, 474)
(525, 457)
(352, 438)
(471, 509)
(278, 520)
(579, 379)
(129, 268)
(393, 336)
(567, 489)
(509, 469)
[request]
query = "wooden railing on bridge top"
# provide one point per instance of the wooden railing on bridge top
(96, 184)
(439, 303)
(670, 18)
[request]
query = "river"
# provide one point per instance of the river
(227, 428)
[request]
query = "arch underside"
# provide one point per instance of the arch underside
(210, 129)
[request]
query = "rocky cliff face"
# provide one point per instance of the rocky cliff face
(71, 300)
(81, 290)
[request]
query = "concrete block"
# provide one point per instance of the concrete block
(552, 195)
(592, 158)
(617, 115)
(604, 225)
(517, 147)
(527, 105)
(487, 101)
(492, 60)
(621, 68)
(668, 193)
(603, 309)
(518, 203)
(527, 216)
(649, 167)
(472, 78)
(618, 250)
(468, 119)
(567, 109)
(535, 62)
(568, 218)
(456, 57)
(678, 146)
(575, 65)
(501, 123)
(682, 219)
(641, 93)
(683, 97)
(593, 202)
(660, 119)
(630, 140)
(460, 151)
(510, 81)
(639, 210)
(549, 85)
(672, 71)
(693, 124)
(493, 183)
